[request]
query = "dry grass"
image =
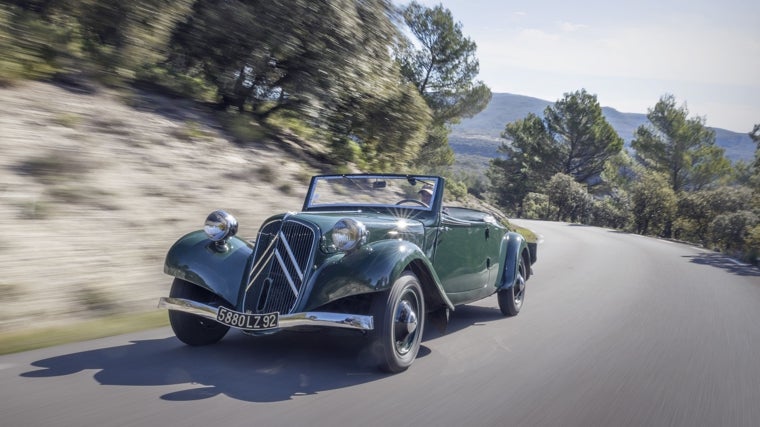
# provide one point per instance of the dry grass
(30, 339)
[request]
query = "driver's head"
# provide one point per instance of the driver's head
(426, 195)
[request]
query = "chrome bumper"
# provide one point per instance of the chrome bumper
(333, 320)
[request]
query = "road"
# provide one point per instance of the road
(616, 330)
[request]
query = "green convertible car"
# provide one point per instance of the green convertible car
(375, 253)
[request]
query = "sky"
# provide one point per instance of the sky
(628, 54)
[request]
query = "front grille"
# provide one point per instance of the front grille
(281, 266)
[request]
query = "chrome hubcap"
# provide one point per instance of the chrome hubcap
(519, 290)
(405, 324)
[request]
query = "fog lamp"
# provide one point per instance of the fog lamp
(220, 226)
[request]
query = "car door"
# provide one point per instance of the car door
(460, 258)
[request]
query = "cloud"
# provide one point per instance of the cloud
(569, 27)
(535, 37)
(680, 52)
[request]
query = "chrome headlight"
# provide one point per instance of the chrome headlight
(348, 234)
(220, 226)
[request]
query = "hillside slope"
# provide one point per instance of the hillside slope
(95, 188)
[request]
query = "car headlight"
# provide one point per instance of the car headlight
(348, 234)
(220, 226)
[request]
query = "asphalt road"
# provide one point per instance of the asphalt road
(616, 330)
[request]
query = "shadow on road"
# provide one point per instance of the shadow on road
(254, 369)
(726, 263)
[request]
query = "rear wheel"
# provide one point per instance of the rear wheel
(189, 328)
(511, 299)
(399, 322)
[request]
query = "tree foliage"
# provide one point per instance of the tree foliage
(583, 136)
(524, 168)
(683, 148)
(444, 67)
(442, 64)
(32, 43)
(106, 40)
(573, 138)
(300, 55)
(382, 128)
(328, 62)
(342, 67)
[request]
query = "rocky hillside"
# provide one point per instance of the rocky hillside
(95, 186)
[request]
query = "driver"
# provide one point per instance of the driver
(426, 195)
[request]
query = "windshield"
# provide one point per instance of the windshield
(409, 191)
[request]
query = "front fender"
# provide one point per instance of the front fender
(514, 244)
(195, 259)
(373, 268)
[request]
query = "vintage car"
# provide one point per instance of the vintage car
(379, 254)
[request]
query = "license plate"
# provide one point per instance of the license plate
(247, 320)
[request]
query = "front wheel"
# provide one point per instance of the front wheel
(399, 323)
(189, 328)
(511, 299)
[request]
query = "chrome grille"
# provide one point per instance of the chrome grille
(283, 255)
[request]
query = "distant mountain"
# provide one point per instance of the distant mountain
(475, 140)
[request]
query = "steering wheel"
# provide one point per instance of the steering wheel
(412, 201)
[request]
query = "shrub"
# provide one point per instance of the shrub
(732, 231)
(752, 248)
(95, 300)
(286, 188)
(68, 120)
(571, 198)
(192, 131)
(243, 128)
(159, 79)
(344, 150)
(611, 213)
(455, 190)
(55, 166)
(266, 174)
(538, 206)
(654, 205)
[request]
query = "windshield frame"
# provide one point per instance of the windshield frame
(400, 186)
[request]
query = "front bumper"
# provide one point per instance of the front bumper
(333, 320)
